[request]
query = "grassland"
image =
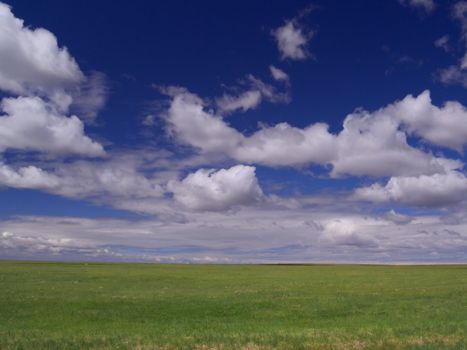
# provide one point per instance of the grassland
(137, 306)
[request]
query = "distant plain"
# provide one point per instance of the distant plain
(48, 305)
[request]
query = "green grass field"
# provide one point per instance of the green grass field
(137, 306)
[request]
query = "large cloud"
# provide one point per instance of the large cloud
(250, 234)
(33, 64)
(370, 144)
(192, 125)
(217, 190)
(98, 180)
(31, 60)
(46, 78)
(31, 124)
(435, 190)
(444, 126)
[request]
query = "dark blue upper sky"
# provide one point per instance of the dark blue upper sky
(357, 52)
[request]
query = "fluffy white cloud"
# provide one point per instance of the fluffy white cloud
(217, 190)
(370, 144)
(192, 125)
(444, 126)
(103, 180)
(27, 177)
(425, 190)
(48, 81)
(114, 178)
(285, 145)
(345, 232)
(278, 74)
(278, 145)
(31, 60)
(31, 124)
(292, 40)
(424, 5)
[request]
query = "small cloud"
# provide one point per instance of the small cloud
(400, 58)
(397, 218)
(257, 92)
(92, 96)
(292, 38)
(443, 43)
(454, 74)
(149, 120)
(345, 232)
(427, 6)
(245, 101)
(279, 74)
(268, 91)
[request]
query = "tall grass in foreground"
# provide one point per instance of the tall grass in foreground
(137, 306)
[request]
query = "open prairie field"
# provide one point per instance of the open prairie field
(138, 306)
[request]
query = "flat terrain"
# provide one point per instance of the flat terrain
(137, 306)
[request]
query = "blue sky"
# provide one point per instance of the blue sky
(297, 131)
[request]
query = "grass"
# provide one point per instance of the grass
(135, 306)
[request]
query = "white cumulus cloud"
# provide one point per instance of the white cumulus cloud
(217, 190)
(46, 79)
(29, 123)
(444, 126)
(31, 60)
(27, 177)
(285, 145)
(435, 190)
(194, 126)
(370, 143)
